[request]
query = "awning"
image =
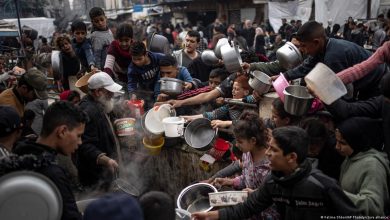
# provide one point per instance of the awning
(7, 32)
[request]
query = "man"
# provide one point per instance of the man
(10, 129)
(95, 163)
(248, 32)
(297, 190)
(185, 56)
(31, 85)
(63, 125)
(337, 55)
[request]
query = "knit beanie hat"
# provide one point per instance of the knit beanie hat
(116, 206)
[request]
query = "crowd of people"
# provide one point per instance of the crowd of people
(330, 162)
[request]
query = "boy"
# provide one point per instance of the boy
(297, 190)
(101, 36)
(170, 69)
(70, 62)
(144, 72)
(82, 46)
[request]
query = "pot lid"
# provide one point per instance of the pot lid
(29, 195)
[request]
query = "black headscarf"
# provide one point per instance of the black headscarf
(362, 133)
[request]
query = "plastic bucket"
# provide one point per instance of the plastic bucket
(279, 85)
(325, 84)
(153, 146)
(219, 149)
(125, 126)
(173, 126)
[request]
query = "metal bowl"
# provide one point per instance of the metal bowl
(199, 134)
(260, 82)
(159, 44)
(29, 195)
(195, 198)
(297, 100)
(220, 43)
(289, 56)
(182, 214)
(208, 57)
(231, 58)
(171, 86)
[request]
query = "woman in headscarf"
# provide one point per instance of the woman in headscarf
(365, 173)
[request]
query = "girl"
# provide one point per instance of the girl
(118, 55)
(252, 139)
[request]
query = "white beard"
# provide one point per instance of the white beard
(108, 104)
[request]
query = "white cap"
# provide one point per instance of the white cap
(103, 80)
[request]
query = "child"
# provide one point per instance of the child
(280, 117)
(224, 116)
(170, 69)
(157, 205)
(118, 55)
(252, 139)
(82, 46)
(101, 36)
(70, 62)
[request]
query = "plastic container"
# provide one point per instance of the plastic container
(136, 107)
(125, 126)
(219, 149)
(325, 84)
(153, 146)
(279, 85)
(173, 126)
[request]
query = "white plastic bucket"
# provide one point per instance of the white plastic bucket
(173, 126)
(325, 84)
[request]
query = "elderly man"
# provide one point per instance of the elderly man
(185, 56)
(95, 157)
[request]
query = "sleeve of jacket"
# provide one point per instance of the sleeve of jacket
(230, 170)
(270, 68)
(132, 80)
(219, 113)
(369, 108)
(185, 75)
(301, 70)
(97, 47)
(257, 201)
(87, 47)
(90, 139)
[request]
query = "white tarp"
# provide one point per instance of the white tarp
(44, 26)
(338, 11)
(297, 10)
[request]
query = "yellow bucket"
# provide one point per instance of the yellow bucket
(153, 146)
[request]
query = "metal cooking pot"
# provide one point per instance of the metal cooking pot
(208, 57)
(159, 44)
(195, 198)
(199, 134)
(297, 100)
(289, 56)
(231, 58)
(260, 82)
(220, 43)
(171, 86)
(182, 214)
(29, 195)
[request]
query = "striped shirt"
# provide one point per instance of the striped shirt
(358, 71)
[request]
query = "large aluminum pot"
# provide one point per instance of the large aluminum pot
(29, 195)
(260, 82)
(159, 44)
(289, 56)
(231, 58)
(171, 86)
(220, 43)
(195, 198)
(199, 134)
(297, 100)
(208, 57)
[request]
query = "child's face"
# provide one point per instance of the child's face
(168, 71)
(100, 22)
(342, 147)
(66, 47)
(238, 92)
(245, 145)
(279, 121)
(139, 60)
(214, 82)
(79, 35)
(124, 43)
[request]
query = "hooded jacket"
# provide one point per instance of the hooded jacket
(364, 178)
(305, 194)
(42, 159)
